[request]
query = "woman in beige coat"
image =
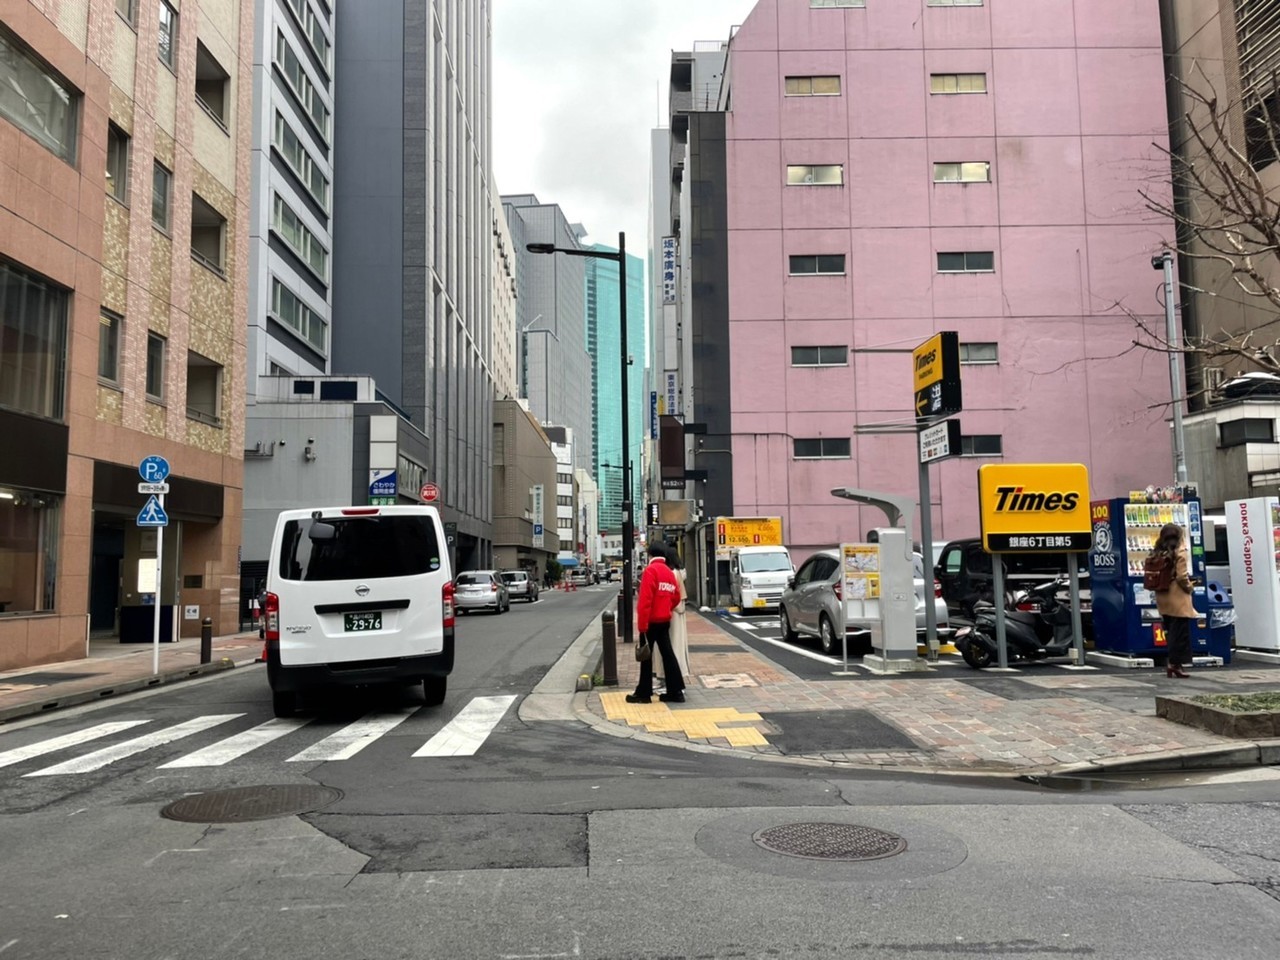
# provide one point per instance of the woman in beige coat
(679, 629)
(1174, 604)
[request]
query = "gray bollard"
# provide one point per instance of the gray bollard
(206, 640)
(609, 634)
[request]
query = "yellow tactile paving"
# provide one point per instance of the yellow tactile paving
(744, 737)
(658, 717)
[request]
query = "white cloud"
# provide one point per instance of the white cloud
(577, 86)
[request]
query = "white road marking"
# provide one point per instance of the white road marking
(354, 737)
(7, 945)
(465, 733)
(800, 651)
(216, 754)
(100, 758)
(67, 740)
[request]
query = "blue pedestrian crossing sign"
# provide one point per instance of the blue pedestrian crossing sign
(152, 514)
(154, 469)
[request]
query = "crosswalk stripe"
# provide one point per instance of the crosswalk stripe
(353, 738)
(216, 754)
(68, 740)
(465, 733)
(100, 758)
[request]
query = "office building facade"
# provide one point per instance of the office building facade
(413, 235)
(123, 250)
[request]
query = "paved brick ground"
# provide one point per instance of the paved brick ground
(955, 725)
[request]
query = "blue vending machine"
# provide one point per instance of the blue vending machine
(1125, 619)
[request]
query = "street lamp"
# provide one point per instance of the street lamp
(628, 523)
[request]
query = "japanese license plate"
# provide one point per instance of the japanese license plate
(358, 622)
(758, 602)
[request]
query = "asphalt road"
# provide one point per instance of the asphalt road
(548, 840)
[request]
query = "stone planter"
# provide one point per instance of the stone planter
(1258, 725)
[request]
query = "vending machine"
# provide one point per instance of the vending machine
(1253, 542)
(1125, 618)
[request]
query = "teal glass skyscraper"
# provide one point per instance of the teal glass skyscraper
(605, 348)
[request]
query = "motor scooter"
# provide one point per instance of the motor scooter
(1037, 626)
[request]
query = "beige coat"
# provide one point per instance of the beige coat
(1176, 601)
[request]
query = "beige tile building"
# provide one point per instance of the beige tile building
(124, 190)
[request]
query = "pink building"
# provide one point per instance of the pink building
(904, 167)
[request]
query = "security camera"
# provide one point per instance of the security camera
(282, 443)
(1157, 262)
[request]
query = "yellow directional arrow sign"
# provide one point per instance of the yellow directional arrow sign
(936, 372)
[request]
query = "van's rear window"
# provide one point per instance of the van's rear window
(365, 548)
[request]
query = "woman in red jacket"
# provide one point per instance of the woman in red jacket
(658, 596)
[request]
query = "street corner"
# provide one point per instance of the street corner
(715, 726)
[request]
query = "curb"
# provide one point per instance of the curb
(125, 686)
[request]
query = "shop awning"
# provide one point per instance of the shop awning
(567, 561)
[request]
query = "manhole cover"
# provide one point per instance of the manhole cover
(250, 803)
(830, 841)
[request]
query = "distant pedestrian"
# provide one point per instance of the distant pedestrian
(1174, 604)
(658, 596)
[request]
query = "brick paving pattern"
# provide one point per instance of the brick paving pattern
(955, 725)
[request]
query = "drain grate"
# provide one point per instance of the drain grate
(241, 804)
(830, 841)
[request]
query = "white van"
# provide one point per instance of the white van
(358, 595)
(758, 575)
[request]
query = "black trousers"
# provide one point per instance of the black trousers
(659, 635)
(1177, 631)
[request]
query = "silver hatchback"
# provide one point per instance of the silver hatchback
(810, 604)
(480, 590)
(520, 585)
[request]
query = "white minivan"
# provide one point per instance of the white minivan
(758, 575)
(358, 595)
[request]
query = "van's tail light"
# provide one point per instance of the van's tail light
(271, 618)
(493, 588)
(839, 589)
(937, 588)
(448, 603)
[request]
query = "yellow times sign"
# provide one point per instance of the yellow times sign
(1034, 507)
(926, 359)
(746, 532)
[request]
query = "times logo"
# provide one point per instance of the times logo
(1019, 500)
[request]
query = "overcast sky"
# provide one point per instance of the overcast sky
(577, 86)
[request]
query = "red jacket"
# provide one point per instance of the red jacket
(659, 593)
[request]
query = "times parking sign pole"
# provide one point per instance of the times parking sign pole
(155, 639)
(926, 550)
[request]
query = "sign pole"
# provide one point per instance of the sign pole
(997, 572)
(1077, 629)
(155, 640)
(926, 550)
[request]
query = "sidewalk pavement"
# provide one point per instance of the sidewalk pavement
(1041, 720)
(114, 668)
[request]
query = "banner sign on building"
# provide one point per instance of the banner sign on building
(653, 414)
(537, 515)
(382, 487)
(672, 410)
(668, 269)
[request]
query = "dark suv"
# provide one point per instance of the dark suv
(520, 586)
(964, 570)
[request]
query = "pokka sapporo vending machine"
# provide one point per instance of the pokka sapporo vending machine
(1125, 619)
